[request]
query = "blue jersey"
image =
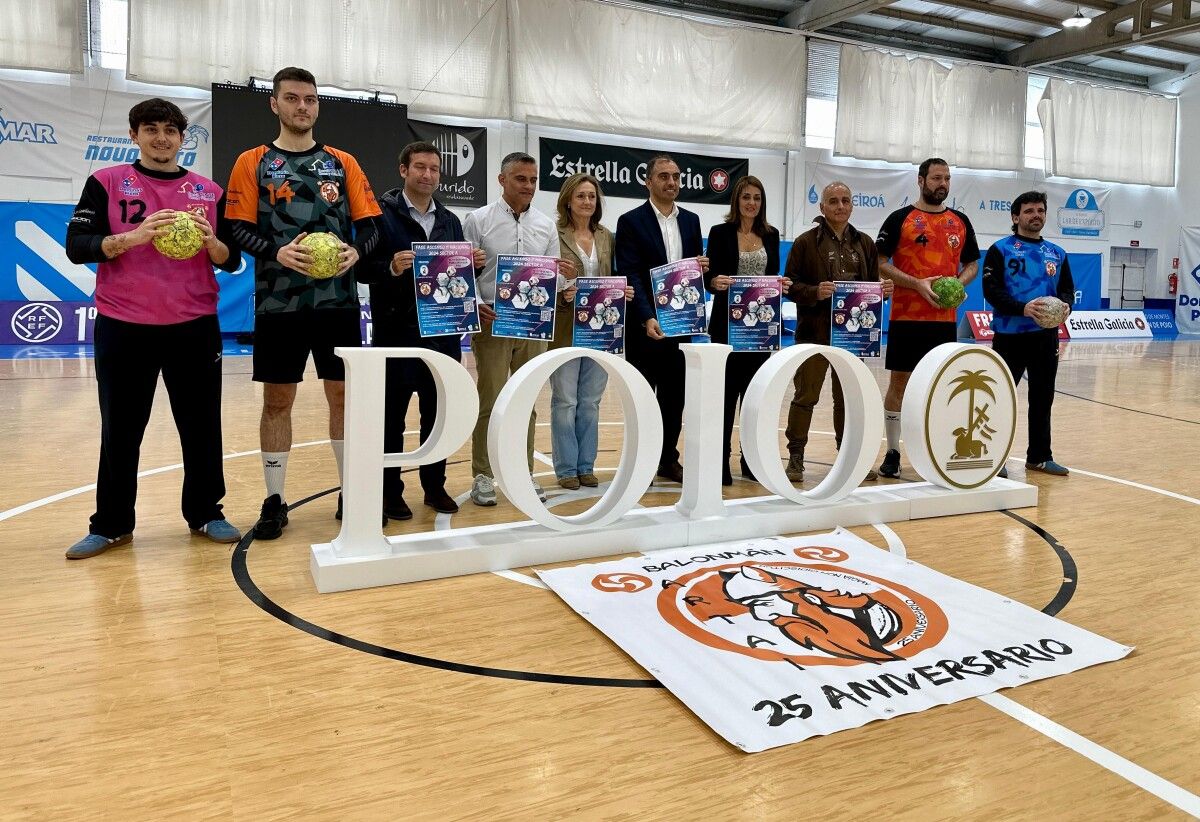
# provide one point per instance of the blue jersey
(1018, 270)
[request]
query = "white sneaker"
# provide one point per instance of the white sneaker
(539, 490)
(483, 490)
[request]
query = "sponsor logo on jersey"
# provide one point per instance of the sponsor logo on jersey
(129, 186)
(326, 168)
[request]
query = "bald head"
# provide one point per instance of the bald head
(837, 202)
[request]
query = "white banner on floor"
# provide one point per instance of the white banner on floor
(68, 132)
(777, 640)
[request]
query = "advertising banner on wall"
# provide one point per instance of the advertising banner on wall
(1187, 301)
(67, 132)
(622, 171)
(1071, 210)
(464, 161)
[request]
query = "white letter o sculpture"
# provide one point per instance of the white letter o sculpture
(508, 432)
(863, 431)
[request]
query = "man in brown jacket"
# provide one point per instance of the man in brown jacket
(831, 250)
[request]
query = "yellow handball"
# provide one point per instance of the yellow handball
(182, 239)
(325, 249)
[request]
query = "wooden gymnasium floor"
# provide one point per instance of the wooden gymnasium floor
(144, 684)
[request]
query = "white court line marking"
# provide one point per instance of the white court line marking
(83, 489)
(1122, 767)
(1165, 790)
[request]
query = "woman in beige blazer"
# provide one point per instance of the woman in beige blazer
(576, 388)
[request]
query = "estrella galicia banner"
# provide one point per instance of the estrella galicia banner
(464, 161)
(622, 171)
(773, 641)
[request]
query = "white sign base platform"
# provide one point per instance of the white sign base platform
(437, 554)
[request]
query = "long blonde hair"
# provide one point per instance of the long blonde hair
(568, 191)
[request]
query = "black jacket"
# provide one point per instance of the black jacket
(640, 247)
(723, 261)
(394, 299)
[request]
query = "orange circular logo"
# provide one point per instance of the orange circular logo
(822, 552)
(623, 583)
(805, 613)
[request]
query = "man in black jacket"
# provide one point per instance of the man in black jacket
(653, 234)
(410, 215)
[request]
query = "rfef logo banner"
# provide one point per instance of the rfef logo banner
(777, 640)
(1187, 301)
(622, 171)
(463, 153)
(979, 327)
(68, 132)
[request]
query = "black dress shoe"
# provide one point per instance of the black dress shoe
(746, 472)
(674, 472)
(338, 513)
(441, 502)
(396, 508)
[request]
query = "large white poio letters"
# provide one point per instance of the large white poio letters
(362, 557)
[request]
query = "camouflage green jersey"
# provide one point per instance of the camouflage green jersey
(283, 193)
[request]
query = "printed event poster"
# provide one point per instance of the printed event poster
(526, 291)
(679, 298)
(856, 317)
(600, 314)
(445, 280)
(755, 309)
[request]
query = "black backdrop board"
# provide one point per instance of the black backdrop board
(464, 161)
(373, 131)
(622, 171)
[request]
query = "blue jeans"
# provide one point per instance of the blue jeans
(575, 391)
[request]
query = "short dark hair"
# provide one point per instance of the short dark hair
(291, 73)
(513, 159)
(1025, 199)
(923, 169)
(419, 147)
(156, 110)
(655, 160)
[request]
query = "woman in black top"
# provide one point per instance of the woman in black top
(745, 245)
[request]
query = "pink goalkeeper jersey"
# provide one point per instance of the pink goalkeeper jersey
(141, 285)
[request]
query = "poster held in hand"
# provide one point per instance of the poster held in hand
(856, 317)
(599, 322)
(445, 289)
(526, 293)
(679, 298)
(755, 309)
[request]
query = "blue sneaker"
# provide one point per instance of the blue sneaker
(1003, 472)
(218, 530)
(1048, 467)
(94, 544)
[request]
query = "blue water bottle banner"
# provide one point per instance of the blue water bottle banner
(445, 283)
(599, 314)
(526, 293)
(856, 317)
(755, 311)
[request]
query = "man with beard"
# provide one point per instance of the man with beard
(1017, 272)
(924, 241)
(653, 234)
(277, 195)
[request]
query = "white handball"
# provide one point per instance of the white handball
(1049, 312)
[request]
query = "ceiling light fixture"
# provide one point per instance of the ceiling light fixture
(1076, 20)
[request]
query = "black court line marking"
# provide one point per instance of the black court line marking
(1070, 573)
(241, 575)
(1126, 408)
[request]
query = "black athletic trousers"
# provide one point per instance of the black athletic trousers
(129, 358)
(1034, 353)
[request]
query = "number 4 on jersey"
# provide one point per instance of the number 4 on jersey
(283, 192)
